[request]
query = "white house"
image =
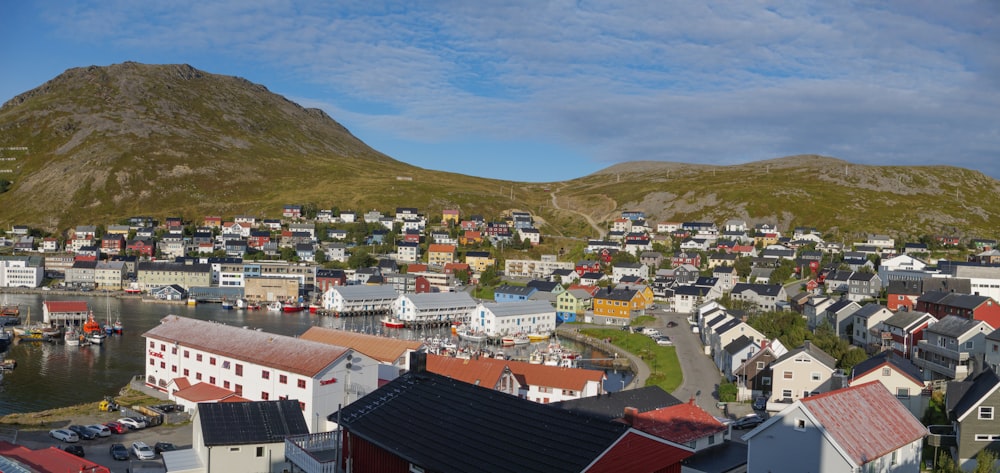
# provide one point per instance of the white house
(359, 299)
(433, 307)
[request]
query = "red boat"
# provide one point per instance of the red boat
(313, 308)
(291, 307)
(390, 322)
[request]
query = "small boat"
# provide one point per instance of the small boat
(274, 306)
(8, 364)
(10, 314)
(536, 358)
(292, 307)
(313, 308)
(392, 322)
(117, 326)
(470, 336)
(72, 337)
(6, 338)
(241, 304)
(507, 340)
(539, 337)
(227, 305)
(192, 301)
(253, 306)
(521, 339)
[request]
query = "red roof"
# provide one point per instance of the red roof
(204, 392)
(635, 451)
(182, 383)
(486, 372)
(65, 306)
(681, 423)
(49, 459)
(866, 421)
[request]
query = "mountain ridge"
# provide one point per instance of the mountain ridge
(108, 142)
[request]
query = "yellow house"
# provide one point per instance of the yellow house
(766, 239)
(478, 261)
(440, 254)
(616, 306)
(449, 216)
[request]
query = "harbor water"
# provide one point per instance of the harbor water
(51, 374)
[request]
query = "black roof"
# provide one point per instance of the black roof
(969, 393)
(543, 286)
(888, 356)
(241, 423)
(612, 405)
(464, 427)
(770, 290)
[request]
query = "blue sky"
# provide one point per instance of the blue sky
(546, 91)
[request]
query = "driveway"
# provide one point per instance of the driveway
(701, 376)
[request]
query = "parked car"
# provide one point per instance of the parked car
(748, 421)
(83, 432)
(142, 451)
(118, 451)
(75, 450)
(671, 324)
(161, 447)
(100, 429)
(65, 435)
(664, 340)
(116, 427)
(132, 423)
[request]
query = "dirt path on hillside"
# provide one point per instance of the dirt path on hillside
(601, 232)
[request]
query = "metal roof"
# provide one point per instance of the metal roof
(242, 423)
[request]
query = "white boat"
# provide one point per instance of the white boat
(72, 337)
(274, 306)
(227, 305)
(471, 336)
(521, 339)
(96, 338)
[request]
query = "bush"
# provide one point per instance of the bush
(727, 391)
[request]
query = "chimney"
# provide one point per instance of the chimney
(691, 400)
(418, 361)
(764, 343)
(807, 344)
(630, 413)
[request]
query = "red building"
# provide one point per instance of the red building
(587, 266)
(943, 303)
(142, 247)
(48, 459)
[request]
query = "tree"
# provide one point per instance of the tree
(986, 461)
(320, 256)
(744, 265)
(462, 275)
(852, 358)
(360, 258)
(489, 277)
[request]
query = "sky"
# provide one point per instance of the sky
(540, 91)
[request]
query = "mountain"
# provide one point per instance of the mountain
(99, 144)
(134, 139)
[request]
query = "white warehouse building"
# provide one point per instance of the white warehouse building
(197, 361)
(497, 319)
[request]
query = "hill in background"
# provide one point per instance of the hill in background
(105, 143)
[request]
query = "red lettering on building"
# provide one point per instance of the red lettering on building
(324, 382)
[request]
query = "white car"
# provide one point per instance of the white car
(142, 451)
(132, 423)
(65, 435)
(100, 430)
(664, 341)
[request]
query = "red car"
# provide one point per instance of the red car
(116, 427)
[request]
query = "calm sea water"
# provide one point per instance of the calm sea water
(52, 375)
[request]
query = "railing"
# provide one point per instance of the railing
(313, 453)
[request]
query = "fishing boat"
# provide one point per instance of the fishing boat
(507, 340)
(539, 337)
(274, 306)
(292, 307)
(253, 306)
(470, 336)
(392, 322)
(521, 339)
(29, 331)
(313, 308)
(117, 326)
(227, 304)
(10, 314)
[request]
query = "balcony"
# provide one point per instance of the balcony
(315, 453)
(951, 370)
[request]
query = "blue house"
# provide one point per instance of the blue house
(507, 293)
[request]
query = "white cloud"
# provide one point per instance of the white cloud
(902, 82)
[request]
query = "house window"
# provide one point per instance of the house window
(238, 390)
(239, 369)
(760, 365)
(800, 425)
(152, 362)
(766, 380)
(186, 372)
(225, 364)
(283, 379)
(787, 375)
(197, 376)
(187, 354)
(173, 368)
(986, 412)
(786, 394)
(711, 439)
(152, 344)
(225, 384)
(886, 372)
(211, 361)
(163, 347)
(173, 350)
(968, 345)
(302, 405)
(903, 393)
(163, 364)
(814, 376)
(265, 374)
(259, 453)
(264, 396)
(302, 383)
(197, 357)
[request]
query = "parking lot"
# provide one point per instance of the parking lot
(98, 450)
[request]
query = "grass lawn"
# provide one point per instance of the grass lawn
(664, 367)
